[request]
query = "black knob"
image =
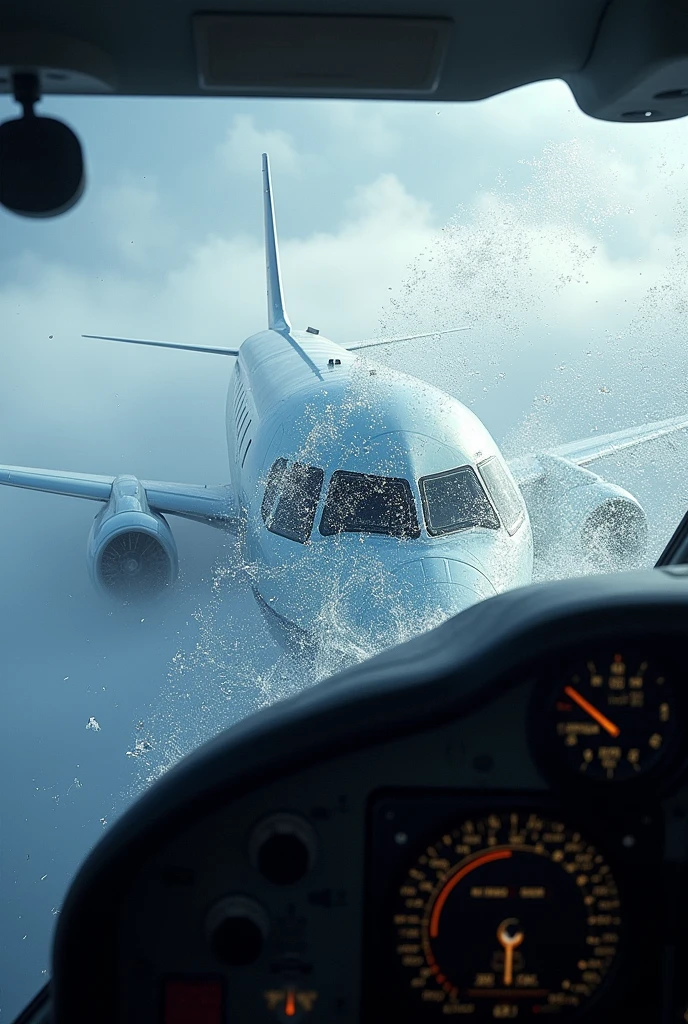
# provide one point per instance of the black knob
(236, 928)
(283, 859)
(283, 848)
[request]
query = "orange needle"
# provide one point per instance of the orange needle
(509, 943)
(290, 1005)
(591, 710)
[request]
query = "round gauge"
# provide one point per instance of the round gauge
(508, 915)
(612, 717)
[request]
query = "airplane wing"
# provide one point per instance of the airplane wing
(354, 346)
(167, 344)
(582, 453)
(527, 468)
(204, 503)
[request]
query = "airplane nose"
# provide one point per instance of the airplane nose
(416, 596)
(445, 584)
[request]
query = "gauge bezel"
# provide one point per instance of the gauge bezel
(546, 747)
(425, 813)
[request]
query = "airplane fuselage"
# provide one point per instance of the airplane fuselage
(302, 398)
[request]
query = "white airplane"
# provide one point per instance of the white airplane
(363, 499)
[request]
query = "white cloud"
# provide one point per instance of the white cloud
(340, 279)
(216, 293)
(549, 250)
(524, 116)
(137, 225)
(370, 129)
(244, 144)
(551, 265)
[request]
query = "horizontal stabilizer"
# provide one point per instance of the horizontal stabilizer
(167, 344)
(354, 346)
(205, 503)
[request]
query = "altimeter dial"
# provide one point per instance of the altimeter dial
(612, 716)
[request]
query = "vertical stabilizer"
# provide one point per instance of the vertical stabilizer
(277, 314)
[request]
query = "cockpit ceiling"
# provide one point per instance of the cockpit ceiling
(625, 60)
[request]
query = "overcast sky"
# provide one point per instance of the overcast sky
(561, 241)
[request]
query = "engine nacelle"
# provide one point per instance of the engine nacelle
(131, 551)
(582, 520)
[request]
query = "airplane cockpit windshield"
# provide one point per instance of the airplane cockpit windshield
(456, 501)
(504, 493)
(291, 499)
(501, 284)
(362, 503)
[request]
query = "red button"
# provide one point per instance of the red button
(192, 1002)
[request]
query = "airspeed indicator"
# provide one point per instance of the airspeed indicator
(506, 916)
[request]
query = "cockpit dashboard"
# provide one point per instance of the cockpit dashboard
(489, 822)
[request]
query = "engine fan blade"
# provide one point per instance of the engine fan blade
(135, 563)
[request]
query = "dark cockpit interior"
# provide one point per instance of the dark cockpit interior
(489, 822)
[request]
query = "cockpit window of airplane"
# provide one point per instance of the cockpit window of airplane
(357, 503)
(291, 498)
(420, 354)
(504, 493)
(455, 501)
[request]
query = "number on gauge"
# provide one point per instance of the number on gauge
(612, 717)
(509, 915)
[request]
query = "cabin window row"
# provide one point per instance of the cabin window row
(363, 503)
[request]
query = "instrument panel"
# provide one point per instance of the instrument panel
(504, 840)
(526, 908)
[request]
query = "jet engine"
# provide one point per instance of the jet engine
(582, 520)
(131, 551)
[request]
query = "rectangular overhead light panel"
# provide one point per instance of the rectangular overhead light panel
(320, 55)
